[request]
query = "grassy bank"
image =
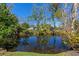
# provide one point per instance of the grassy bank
(30, 54)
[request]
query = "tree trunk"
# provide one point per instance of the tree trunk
(64, 18)
(74, 17)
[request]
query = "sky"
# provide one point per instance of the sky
(23, 10)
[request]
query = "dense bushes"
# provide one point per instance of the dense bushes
(69, 38)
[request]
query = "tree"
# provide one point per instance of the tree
(55, 13)
(8, 22)
(37, 14)
(74, 16)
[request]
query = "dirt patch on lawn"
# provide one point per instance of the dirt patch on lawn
(72, 53)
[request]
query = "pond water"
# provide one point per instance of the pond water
(33, 43)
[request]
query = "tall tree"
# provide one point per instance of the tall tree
(74, 16)
(55, 11)
(37, 14)
(64, 16)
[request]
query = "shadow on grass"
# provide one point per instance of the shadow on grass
(45, 51)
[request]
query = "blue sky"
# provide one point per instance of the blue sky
(23, 10)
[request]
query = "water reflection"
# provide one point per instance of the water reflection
(32, 42)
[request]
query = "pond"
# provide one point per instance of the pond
(53, 40)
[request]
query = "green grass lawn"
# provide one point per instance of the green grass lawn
(31, 54)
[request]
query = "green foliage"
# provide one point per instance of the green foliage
(8, 24)
(58, 13)
(44, 29)
(23, 30)
(25, 26)
(69, 39)
(76, 24)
